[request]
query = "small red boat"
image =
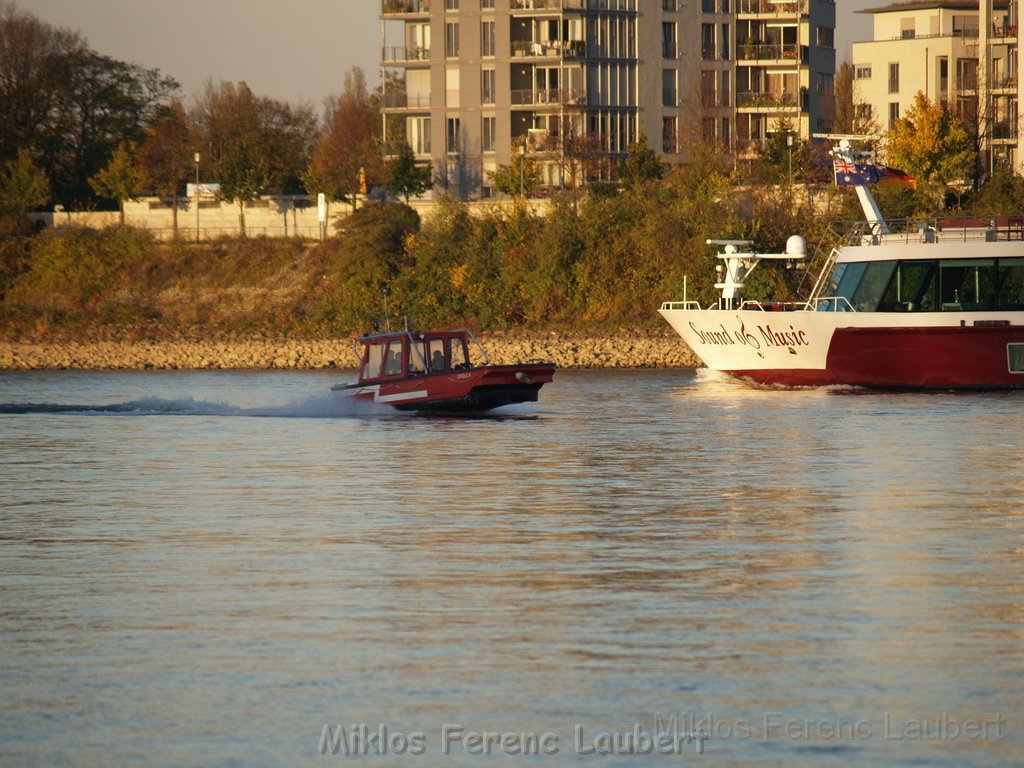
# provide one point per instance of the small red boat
(434, 372)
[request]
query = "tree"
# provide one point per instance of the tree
(254, 144)
(24, 185)
(844, 99)
(120, 180)
(69, 105)
(165, 157)
(405, 177)
(520, 177)
(931, 143)
(350, 142)
(785, 154)
(641, 165)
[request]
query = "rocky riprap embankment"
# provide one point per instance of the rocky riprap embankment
(568, 351)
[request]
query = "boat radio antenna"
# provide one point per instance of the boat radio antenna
(387, 312)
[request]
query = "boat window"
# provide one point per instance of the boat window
(912, 288)
(846, 280)
(393, 365)
(1011, 284)
(872, 285)
(458, 353)
(1015, 356)
(418, 357)
(437, 355)
(373, 360)
(967, 284)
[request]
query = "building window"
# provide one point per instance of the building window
(826, 83)
(724, 89)
(419, 131)
(707, 41)
(487, 86)
(726, 135)
(862, 71)
(668, 39)
(454, 140)
(725, 42)
(862, 111)
(487, 38)
(894, 77)
(907, 29)
(487, 134)
(894, 114)
(669, 132)
(668, 88)
(451, 39)
(708, 6)
(487, 5)
(668, 5)
(451, 5)
(943, 74)
(826, 37)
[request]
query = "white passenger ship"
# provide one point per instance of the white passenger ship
(937, 305)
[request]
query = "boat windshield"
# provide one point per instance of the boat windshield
(949, 285)
(458, 353)
(374, 360)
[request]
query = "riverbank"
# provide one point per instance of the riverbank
(567, 350)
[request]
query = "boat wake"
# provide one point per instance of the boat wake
(315, 407)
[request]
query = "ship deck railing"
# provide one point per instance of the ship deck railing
(942, 229)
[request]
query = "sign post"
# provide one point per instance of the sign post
(321, 214)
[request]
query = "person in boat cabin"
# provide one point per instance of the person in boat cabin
(437, 361)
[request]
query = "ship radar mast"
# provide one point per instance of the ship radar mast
(845, 154)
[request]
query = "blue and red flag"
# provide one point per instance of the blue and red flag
(855, 174)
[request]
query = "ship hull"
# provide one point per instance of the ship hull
(875, 350)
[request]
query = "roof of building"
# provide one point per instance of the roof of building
(924, 5)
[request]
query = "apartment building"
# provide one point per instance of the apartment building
(960, 53)
(468, 80)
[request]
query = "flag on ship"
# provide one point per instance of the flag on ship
(894, 177)
(855, 174)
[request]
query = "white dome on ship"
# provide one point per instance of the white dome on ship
(796, 247)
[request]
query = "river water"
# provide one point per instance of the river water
(208, 568)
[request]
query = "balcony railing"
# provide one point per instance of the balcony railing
(540, 96)
(401, 53)
(1004, 130)
(769, 51)
(548, 5)
(565, 49)
(772, 7)
(967, 82)
(766, 100)
(392, 148)
(1004, 30)
(406, 101)
(405, 6)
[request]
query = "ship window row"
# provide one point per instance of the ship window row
(951, 285)
(436, 355)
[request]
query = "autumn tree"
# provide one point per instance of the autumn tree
(23, 186)
(520, 177)
(349, 142)
(640, 165)
(405, 176)
(254, 144)
(785, 154)
(120, 180)
(843, 120)
(165, 157)
(931, 143)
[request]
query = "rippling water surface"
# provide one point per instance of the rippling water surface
(205, 569)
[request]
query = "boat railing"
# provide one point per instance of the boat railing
(830, 304)
(672, 306)
(932, 230)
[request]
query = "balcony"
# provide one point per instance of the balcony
(773, 8)
(393, 54)
(1004, 130)
(414, 102)
(766, 100)
(1004, 83)
(1004, 31)
(967, 81)
(527, 7)
(549, 49)
(556, 97)
(758, 53)
(405, 8)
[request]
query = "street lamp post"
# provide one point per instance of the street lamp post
(195, 157)
(522, 170)
(789, 143)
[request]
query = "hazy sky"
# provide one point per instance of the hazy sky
(294, 50)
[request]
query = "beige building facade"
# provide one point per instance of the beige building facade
(963, 54)
(467, 80)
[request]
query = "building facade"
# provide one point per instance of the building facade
(575, 82)
(959, 53)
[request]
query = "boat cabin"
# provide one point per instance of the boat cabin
(407, 354)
